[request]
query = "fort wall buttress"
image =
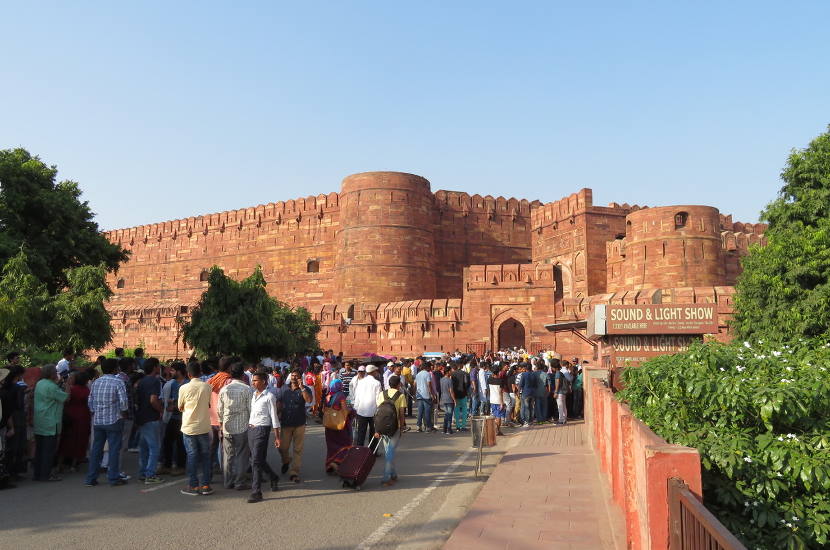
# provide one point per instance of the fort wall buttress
(385, 248)
(667, 246)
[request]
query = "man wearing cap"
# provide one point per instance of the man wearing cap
(365, 403)
(387, 374)
(361, 374)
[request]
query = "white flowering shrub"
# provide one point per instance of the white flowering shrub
(760, 418)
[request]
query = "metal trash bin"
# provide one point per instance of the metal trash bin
(489, 423)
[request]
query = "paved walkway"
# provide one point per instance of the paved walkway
(545, 493)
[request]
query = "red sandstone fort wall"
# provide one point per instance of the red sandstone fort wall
(471, 229)
(387, 266)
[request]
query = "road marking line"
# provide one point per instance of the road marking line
(390, 523)
(163, 485)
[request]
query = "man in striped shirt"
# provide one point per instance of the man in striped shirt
(234, 411)
(108, 403)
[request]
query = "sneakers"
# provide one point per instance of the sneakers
(205, 490)
(190, 491)
(125, 477)
(118, 482)
(152, 480)
(526, 425)
(92, 483)
(255, 497)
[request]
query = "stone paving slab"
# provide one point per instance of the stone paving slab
(545, 493)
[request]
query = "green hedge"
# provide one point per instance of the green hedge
(759, 417)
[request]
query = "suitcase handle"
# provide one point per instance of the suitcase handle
(377, 445)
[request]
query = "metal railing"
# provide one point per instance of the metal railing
(692, 526)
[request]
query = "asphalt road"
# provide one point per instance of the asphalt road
(435, 486)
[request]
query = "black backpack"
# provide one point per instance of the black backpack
(386, 417)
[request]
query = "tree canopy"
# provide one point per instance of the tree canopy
(783, 293)
(49, 220)
(240, 318)
(30, 317)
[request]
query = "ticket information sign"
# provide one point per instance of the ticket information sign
(633, 350)
(661, 319)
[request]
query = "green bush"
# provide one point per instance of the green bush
(759, 417)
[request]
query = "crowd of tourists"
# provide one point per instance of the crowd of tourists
(219, 416)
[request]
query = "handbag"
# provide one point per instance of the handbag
(334, 419)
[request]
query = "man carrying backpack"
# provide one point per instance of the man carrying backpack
(389, 424)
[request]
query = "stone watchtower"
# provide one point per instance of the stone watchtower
(385, 248)
(668, 246)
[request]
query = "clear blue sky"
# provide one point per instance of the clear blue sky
(163, 110)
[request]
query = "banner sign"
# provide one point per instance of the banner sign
(660, 319)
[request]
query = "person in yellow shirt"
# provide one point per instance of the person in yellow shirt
(194, 404)
(390, 475)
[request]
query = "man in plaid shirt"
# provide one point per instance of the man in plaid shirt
(108, 403)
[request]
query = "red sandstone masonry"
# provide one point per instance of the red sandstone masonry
(479, 260)
(638, 465)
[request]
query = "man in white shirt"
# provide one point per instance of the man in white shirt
(388, 373)
(263, 420)
(64, 364)
(361, 374)
(366, 403)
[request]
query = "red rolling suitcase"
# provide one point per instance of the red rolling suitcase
(358, 464)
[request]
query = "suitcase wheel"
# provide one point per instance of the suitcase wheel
(345, 484)
(357, 487)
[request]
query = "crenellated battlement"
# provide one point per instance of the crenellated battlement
(726, 224)
(520, 275)
(733, 241)
(279, 213)
(625, 206)
(464, 202)
(556, 211)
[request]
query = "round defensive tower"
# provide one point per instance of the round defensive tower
(674, 246)
(385, 245)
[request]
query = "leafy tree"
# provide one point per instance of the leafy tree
(33, 319)
(240, 318)
(24, 303)
(81, 320)
(50, 220)
(784, 291)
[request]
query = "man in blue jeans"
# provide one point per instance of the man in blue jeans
(108, 404)
(390, 475)
(194, 404)
(148, 420)
(528, 389)
(425, 394)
